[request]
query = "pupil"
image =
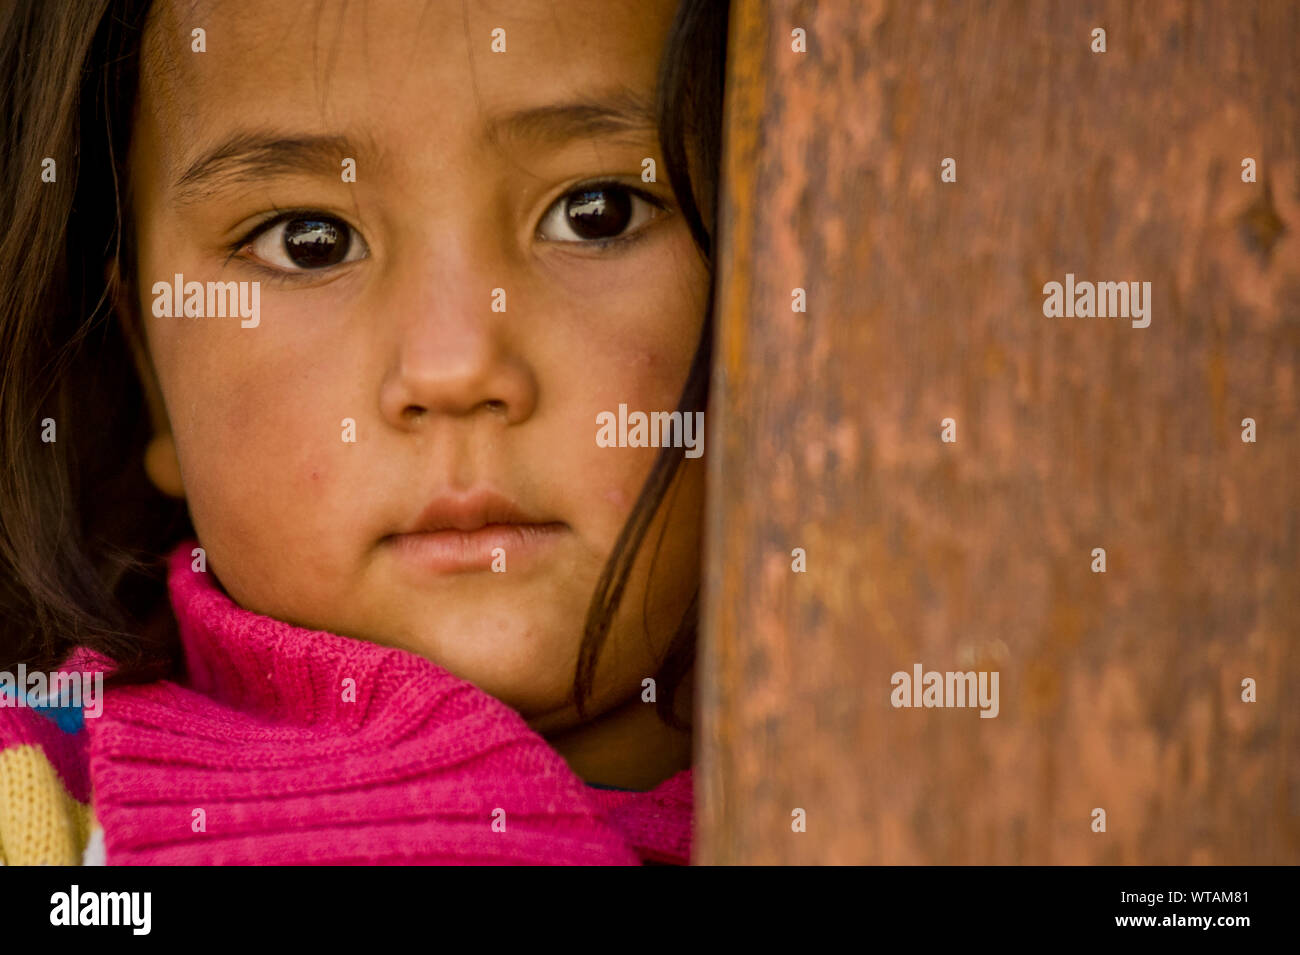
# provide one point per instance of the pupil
(599, 213)
(315, 243)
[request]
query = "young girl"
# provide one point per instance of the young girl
(310, 314)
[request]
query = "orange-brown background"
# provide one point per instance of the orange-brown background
(1118, 690)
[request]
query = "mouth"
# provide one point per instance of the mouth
(479, 531)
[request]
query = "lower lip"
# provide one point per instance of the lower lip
(452, 551)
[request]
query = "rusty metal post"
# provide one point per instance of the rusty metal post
(1121, 690)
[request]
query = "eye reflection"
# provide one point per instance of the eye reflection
(307, 242)
(599, 213)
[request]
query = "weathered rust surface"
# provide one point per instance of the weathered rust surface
(1121, 690)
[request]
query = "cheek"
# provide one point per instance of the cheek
(611, 477)
(617, 498)
(639, 355)
(260, 446)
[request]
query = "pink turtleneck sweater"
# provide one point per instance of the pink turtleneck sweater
(308, 747)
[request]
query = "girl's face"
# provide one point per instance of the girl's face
(439, 333)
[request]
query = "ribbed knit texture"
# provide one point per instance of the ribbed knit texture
(286, 745)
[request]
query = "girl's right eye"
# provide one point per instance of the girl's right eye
(305, 242)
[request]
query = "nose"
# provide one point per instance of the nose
(453, 355)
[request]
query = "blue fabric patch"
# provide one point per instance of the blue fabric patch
(68, 718)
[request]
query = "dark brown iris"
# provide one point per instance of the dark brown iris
(599, 213)
(315, 243)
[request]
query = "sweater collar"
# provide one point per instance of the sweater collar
(255, 663)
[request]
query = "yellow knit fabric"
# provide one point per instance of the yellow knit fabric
(39, 821)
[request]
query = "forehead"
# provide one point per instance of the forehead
(387, 70)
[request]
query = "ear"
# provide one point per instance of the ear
(160, 461)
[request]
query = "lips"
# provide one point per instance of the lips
(483, 530)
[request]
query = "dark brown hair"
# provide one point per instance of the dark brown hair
(83, 532)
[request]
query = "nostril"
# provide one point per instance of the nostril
(498, 406)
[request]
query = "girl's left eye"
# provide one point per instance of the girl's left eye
(306, 242)
(598, 214)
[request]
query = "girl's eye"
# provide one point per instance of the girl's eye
(598, 214)
(306, 242)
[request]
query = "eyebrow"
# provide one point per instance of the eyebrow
(618, 112)
(250, 156)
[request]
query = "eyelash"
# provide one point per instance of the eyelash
(281, 216)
